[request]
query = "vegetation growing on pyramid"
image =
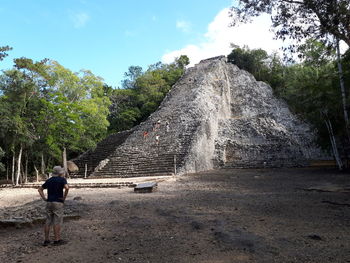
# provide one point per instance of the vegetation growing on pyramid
(142, 92)
(310, 86)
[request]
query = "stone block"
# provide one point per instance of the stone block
(148, 187)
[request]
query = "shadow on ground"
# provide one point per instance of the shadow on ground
(271, 215)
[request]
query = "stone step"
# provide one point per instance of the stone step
(139, 170)
(79, 185)
(135, 171)
(129, 175)
(146, 164)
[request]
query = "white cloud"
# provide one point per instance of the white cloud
(80, 19)
(216, 41)
(183, 25)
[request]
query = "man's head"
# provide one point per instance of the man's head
(58, 171)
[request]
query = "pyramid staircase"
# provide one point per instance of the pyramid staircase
(151, 158)
(92, 158)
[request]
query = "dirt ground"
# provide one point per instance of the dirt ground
(265, 215)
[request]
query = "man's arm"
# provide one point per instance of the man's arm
(41, 192)
(66, 189)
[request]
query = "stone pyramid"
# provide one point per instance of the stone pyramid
(215, 116)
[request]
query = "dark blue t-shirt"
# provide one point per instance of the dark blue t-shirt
(54, 186)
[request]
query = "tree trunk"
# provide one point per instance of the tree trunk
(22, 177)
(42, 164)
(334, 144)
(7, 169)
(342, 88)
(26, 169)
(18, 174)
(13, 167)
(37, 173)
(64, 160)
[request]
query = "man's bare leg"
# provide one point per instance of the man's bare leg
(57, 231)
(47, 232)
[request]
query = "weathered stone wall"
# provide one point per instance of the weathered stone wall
(216, 115)
(261, 130)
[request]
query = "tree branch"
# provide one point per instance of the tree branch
(293, 2)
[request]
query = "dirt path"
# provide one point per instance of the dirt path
(276, 215)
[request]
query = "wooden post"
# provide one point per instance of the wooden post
(85, 170)
(175, 164)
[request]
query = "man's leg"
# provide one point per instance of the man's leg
(49, 218)
(58, 219)
(47, 232)
(57, 231)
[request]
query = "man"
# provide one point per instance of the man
(54, 206)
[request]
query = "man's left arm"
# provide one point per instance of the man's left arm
(41, 192)
(66, 189)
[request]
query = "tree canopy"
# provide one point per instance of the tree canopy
(45, 107)
(3, 54)
(3, 51)
(300, 19)
(142, 92)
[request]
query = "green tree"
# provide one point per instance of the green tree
(18, 92)
(253, 61)
(78, 110)
(130, 77)
(3, 51)
(47, 108)
(314, 53)
(264, 67)
(3, 54)
(2, 166)
(143, 92)
(312, 91)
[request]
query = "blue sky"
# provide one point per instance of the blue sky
(108, 36)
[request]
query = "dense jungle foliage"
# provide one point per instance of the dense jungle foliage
(46, 109)
(311, 87)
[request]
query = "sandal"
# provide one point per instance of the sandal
(46, 243)
(59, 242)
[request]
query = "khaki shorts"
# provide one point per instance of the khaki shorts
(54, 213)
